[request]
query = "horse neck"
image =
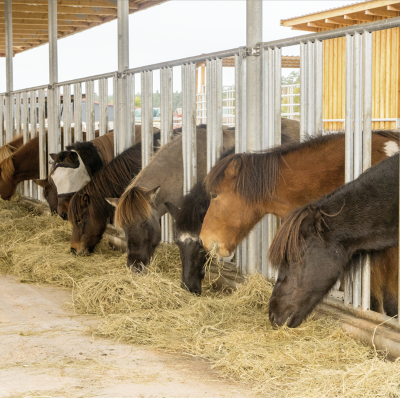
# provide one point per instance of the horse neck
(105, 144)
(306, 175)
(26, 161)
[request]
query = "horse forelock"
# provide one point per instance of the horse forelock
(257, 176)
(288, 244)
(7, 169)
(109, 182)
(6, 151)
(134, 206)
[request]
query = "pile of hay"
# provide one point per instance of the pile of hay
(231, 330)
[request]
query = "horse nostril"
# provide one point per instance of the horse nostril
(73, 250)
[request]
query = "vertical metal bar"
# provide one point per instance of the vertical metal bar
(147, 116)
(42, 141)
(303, 89)
(277, 95)
(18, 114)
(54, 139)
(366, 152)
(33, 130)
(319, 76)
(192, 116)
(348, 291)
(9, 69)
(209, 112)
(116, 115)
(78, 112)
(67, 115)
(149, 120)
(103, 106)
(311, 89)
(90, 127)
(132, 109)
(123, 131)
(25, 129)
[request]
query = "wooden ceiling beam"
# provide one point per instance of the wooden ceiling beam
(382, 12)
(359, 16)
(64, 10)
(394, 7)
(77, 3)
(341, 21)
(305, 28)
(30, 22)
(322, 24)
(60, 17)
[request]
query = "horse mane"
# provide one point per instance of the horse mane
(7, 169)
(109, 182)
(78, 145)
(136, 200)
(248, 183)
(288, 244)
(8, 149)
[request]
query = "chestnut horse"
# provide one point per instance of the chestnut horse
(317, 243)
(245, 187)
(187, 225)
(88, 211)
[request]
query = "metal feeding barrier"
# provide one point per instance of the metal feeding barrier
(257, 110)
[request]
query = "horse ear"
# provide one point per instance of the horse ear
(233, 168)
(172, 209)
(42, 183)
(153, 193)
(312, 222)
(53, 156)
(85, 200)
(113, 201)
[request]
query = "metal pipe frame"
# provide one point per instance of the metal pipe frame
(116, 114)
(147, 117)
(90, 128)
(214, 111)
(42, 141)
(189, 143)
(9, 70)
(78, 136)
(303, 92)
(33, 123)
(103, 106)
(67, 115)
(25, 130)
(166, 82)
(132, 109)
(319, 71)
(54, 133)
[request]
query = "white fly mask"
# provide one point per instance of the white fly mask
(69, 180)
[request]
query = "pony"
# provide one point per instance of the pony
(317, 243)
(142, 205)
(88, 211)
(187, 225)
(245, 187)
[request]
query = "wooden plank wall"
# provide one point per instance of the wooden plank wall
(385, 79)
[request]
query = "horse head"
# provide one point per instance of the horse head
(50, 194)
(230, 215)
(136, 215)
(88, 226)
(308, 267)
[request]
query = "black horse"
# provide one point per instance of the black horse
(187, 226)
(316, 243)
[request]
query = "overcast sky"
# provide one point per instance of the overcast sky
(172, 30)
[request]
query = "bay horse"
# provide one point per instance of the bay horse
(142, 204)
(88, 211)
(187, 225)
(316, 243)
(245, 187)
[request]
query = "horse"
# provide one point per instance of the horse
(245, 187)
(88, 211)
(187, 225)
(142, 204)
(318, 243)
(8, 149)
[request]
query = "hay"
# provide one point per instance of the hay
(232, 331)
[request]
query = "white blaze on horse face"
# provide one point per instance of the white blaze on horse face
(391, 148)
(186, 236)
(68, 179)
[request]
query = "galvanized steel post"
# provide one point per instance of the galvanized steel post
(9, 70)
(253, 36)
(54, 136)
(124, 137)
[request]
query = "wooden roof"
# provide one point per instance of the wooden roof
(30, 22)
(353, 14)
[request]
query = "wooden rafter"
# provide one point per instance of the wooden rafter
(382, 12)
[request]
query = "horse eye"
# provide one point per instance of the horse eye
(213, 195)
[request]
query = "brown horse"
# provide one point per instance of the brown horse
(245, 187)
(8, 149)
